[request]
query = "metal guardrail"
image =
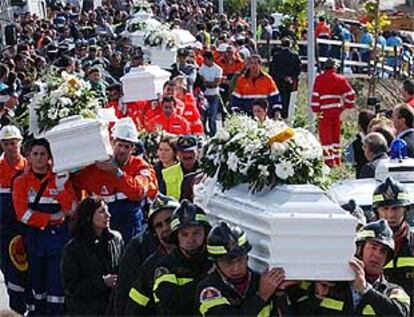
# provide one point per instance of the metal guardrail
(403, 68)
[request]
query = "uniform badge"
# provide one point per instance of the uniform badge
(53, 192)
(31, 194)
(209, 293)
(104, 190)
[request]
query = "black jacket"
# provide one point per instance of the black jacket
(383, 299)
(217, 297)
(85, 261)
(138, 249)
(408, 137)
(285, 63)
(368, 170)
(401, 269)
(175, 281)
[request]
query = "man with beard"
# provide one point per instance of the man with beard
(370, 293)
(233, 289)
(391, 202)
(140, 257)
(140, 302)
(177, 274)
(179, 178)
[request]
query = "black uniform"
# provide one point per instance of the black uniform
(285, 63)
(217, 297)
(383, 299)
(137, 251)
(175, 281)
(140, 301)
(401, 269)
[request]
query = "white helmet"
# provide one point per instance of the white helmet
(125, 129)
(9, 132)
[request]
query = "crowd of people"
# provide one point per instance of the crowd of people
(124, 236)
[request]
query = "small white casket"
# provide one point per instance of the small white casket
(162, 57)
(137, 36)
(143, 83)
(78, 142)
(292, 226)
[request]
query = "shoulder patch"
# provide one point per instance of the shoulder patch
(145, 172)
(160, 271)
(209, 293)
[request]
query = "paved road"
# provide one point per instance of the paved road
(4, 299)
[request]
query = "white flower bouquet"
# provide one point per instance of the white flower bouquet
(162, 38)
(263, 155)
(140, 7)
(63, 96)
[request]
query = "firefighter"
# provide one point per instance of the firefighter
(42, 200)
(391, 202)
(140, 302)
(177, 274)
(370, 293)
(124, 181)
(233, 289)
(332, 93)
(13, 265)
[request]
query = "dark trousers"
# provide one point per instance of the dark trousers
(285, 90)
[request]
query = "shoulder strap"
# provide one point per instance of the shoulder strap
(40, 193)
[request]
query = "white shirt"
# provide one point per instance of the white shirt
(210, 74)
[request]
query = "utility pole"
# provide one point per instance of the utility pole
(220, 6)
(373, 81)
(253, 13)
(311, 59)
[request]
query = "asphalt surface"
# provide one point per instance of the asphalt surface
(4, 299)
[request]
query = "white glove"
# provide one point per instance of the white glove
(61, 180)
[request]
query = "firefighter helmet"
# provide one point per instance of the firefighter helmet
(162, 202)
(227, 242)
(390, 193)
(378, 231)
(187, 214)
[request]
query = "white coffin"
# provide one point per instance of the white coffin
(184, 37)
(161, 57)
(137, 37)
(78, 142)
(295, 227)
(143, 83)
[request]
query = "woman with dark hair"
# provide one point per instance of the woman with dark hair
(167, 156)
(90, 260)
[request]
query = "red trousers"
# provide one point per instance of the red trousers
(330, 137)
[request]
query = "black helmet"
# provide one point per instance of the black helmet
(390, 193)
(378, 231)
(187, 214)
(355, 210)
(162, 202)
(227, 242)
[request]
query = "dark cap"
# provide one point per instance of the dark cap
(187, 143)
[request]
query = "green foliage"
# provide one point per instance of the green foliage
(233, 6)
(295, 10)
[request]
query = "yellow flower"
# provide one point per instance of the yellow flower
(282, 136)
(73, 83)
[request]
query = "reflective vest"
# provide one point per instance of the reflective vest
(173, 178)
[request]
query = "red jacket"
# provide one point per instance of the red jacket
(154, 109)
(192, 115)
(331, 93)
(410, 102)
(322, 30)
(138, 181)
(174, 124)
(25, 189)
(134, 110)
(8, 172)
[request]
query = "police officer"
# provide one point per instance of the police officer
(140, 302)
(233, 289)
(179, 178)
(13, 264)
(123, 182)
(370, 293)
(42, 201)
(391, 202)
(177, 274)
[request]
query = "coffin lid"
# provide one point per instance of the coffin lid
(401, 170)
(297, 199)
(184, 37)
(146, 72)
(73, 123)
